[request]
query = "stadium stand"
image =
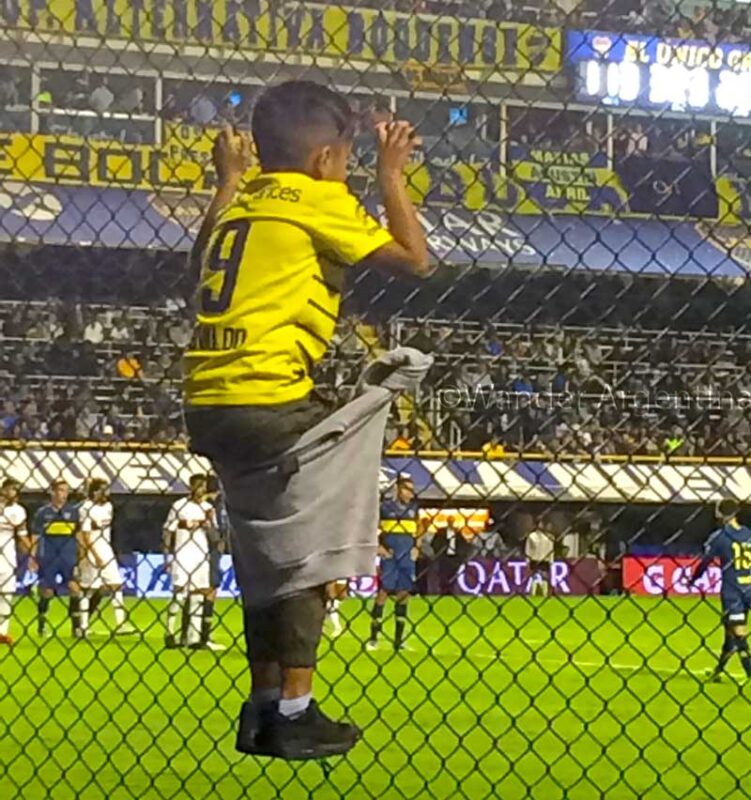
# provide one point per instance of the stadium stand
(634, 386)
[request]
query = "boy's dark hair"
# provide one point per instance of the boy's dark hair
(11, 482)
(291, 119)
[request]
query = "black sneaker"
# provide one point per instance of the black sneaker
(247, 730)
(311, 735)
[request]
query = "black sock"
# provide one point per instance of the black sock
(741, 645)
(728, 648)
(208, 615)
(42, 607)
(74, 609)
(401, 620)
(375, 625)
(96, 599)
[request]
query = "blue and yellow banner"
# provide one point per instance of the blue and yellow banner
(346, 34)
(580, 182)
(536, 181)
(566, 180)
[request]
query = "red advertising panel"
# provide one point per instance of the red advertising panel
(668, 576)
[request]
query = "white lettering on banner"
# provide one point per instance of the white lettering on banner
(479, 578)
(473, 578)
(518, 568)
(363, 586)
(485, 234)
(681, 577)
(559, 572)
(669, 575)
(654, 579)
(455, 224)
(498, 578)
(710, 582)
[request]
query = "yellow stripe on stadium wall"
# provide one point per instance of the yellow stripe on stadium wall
(183, 162)
(355, 34)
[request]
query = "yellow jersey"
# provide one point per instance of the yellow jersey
(270, 288)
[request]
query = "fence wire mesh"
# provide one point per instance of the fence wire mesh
(582, 181)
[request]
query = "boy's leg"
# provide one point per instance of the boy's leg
(297, 729)
(545, 580)
(740, 634)
(83, 615)
(265, 675)
(227, 437)
(300, 626)
(332, 612)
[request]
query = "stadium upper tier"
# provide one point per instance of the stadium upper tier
(624, 152)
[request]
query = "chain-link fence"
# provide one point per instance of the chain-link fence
(547, 631)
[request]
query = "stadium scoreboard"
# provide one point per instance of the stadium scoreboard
(653, 73)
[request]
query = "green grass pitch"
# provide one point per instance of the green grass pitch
(573, 698)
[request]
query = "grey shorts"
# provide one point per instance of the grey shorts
(288, 631)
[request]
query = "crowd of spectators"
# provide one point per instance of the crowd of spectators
(594, 392)
(73, 372)
(78, 373)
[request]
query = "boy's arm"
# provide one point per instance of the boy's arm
(231, 156)
(409, 250)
